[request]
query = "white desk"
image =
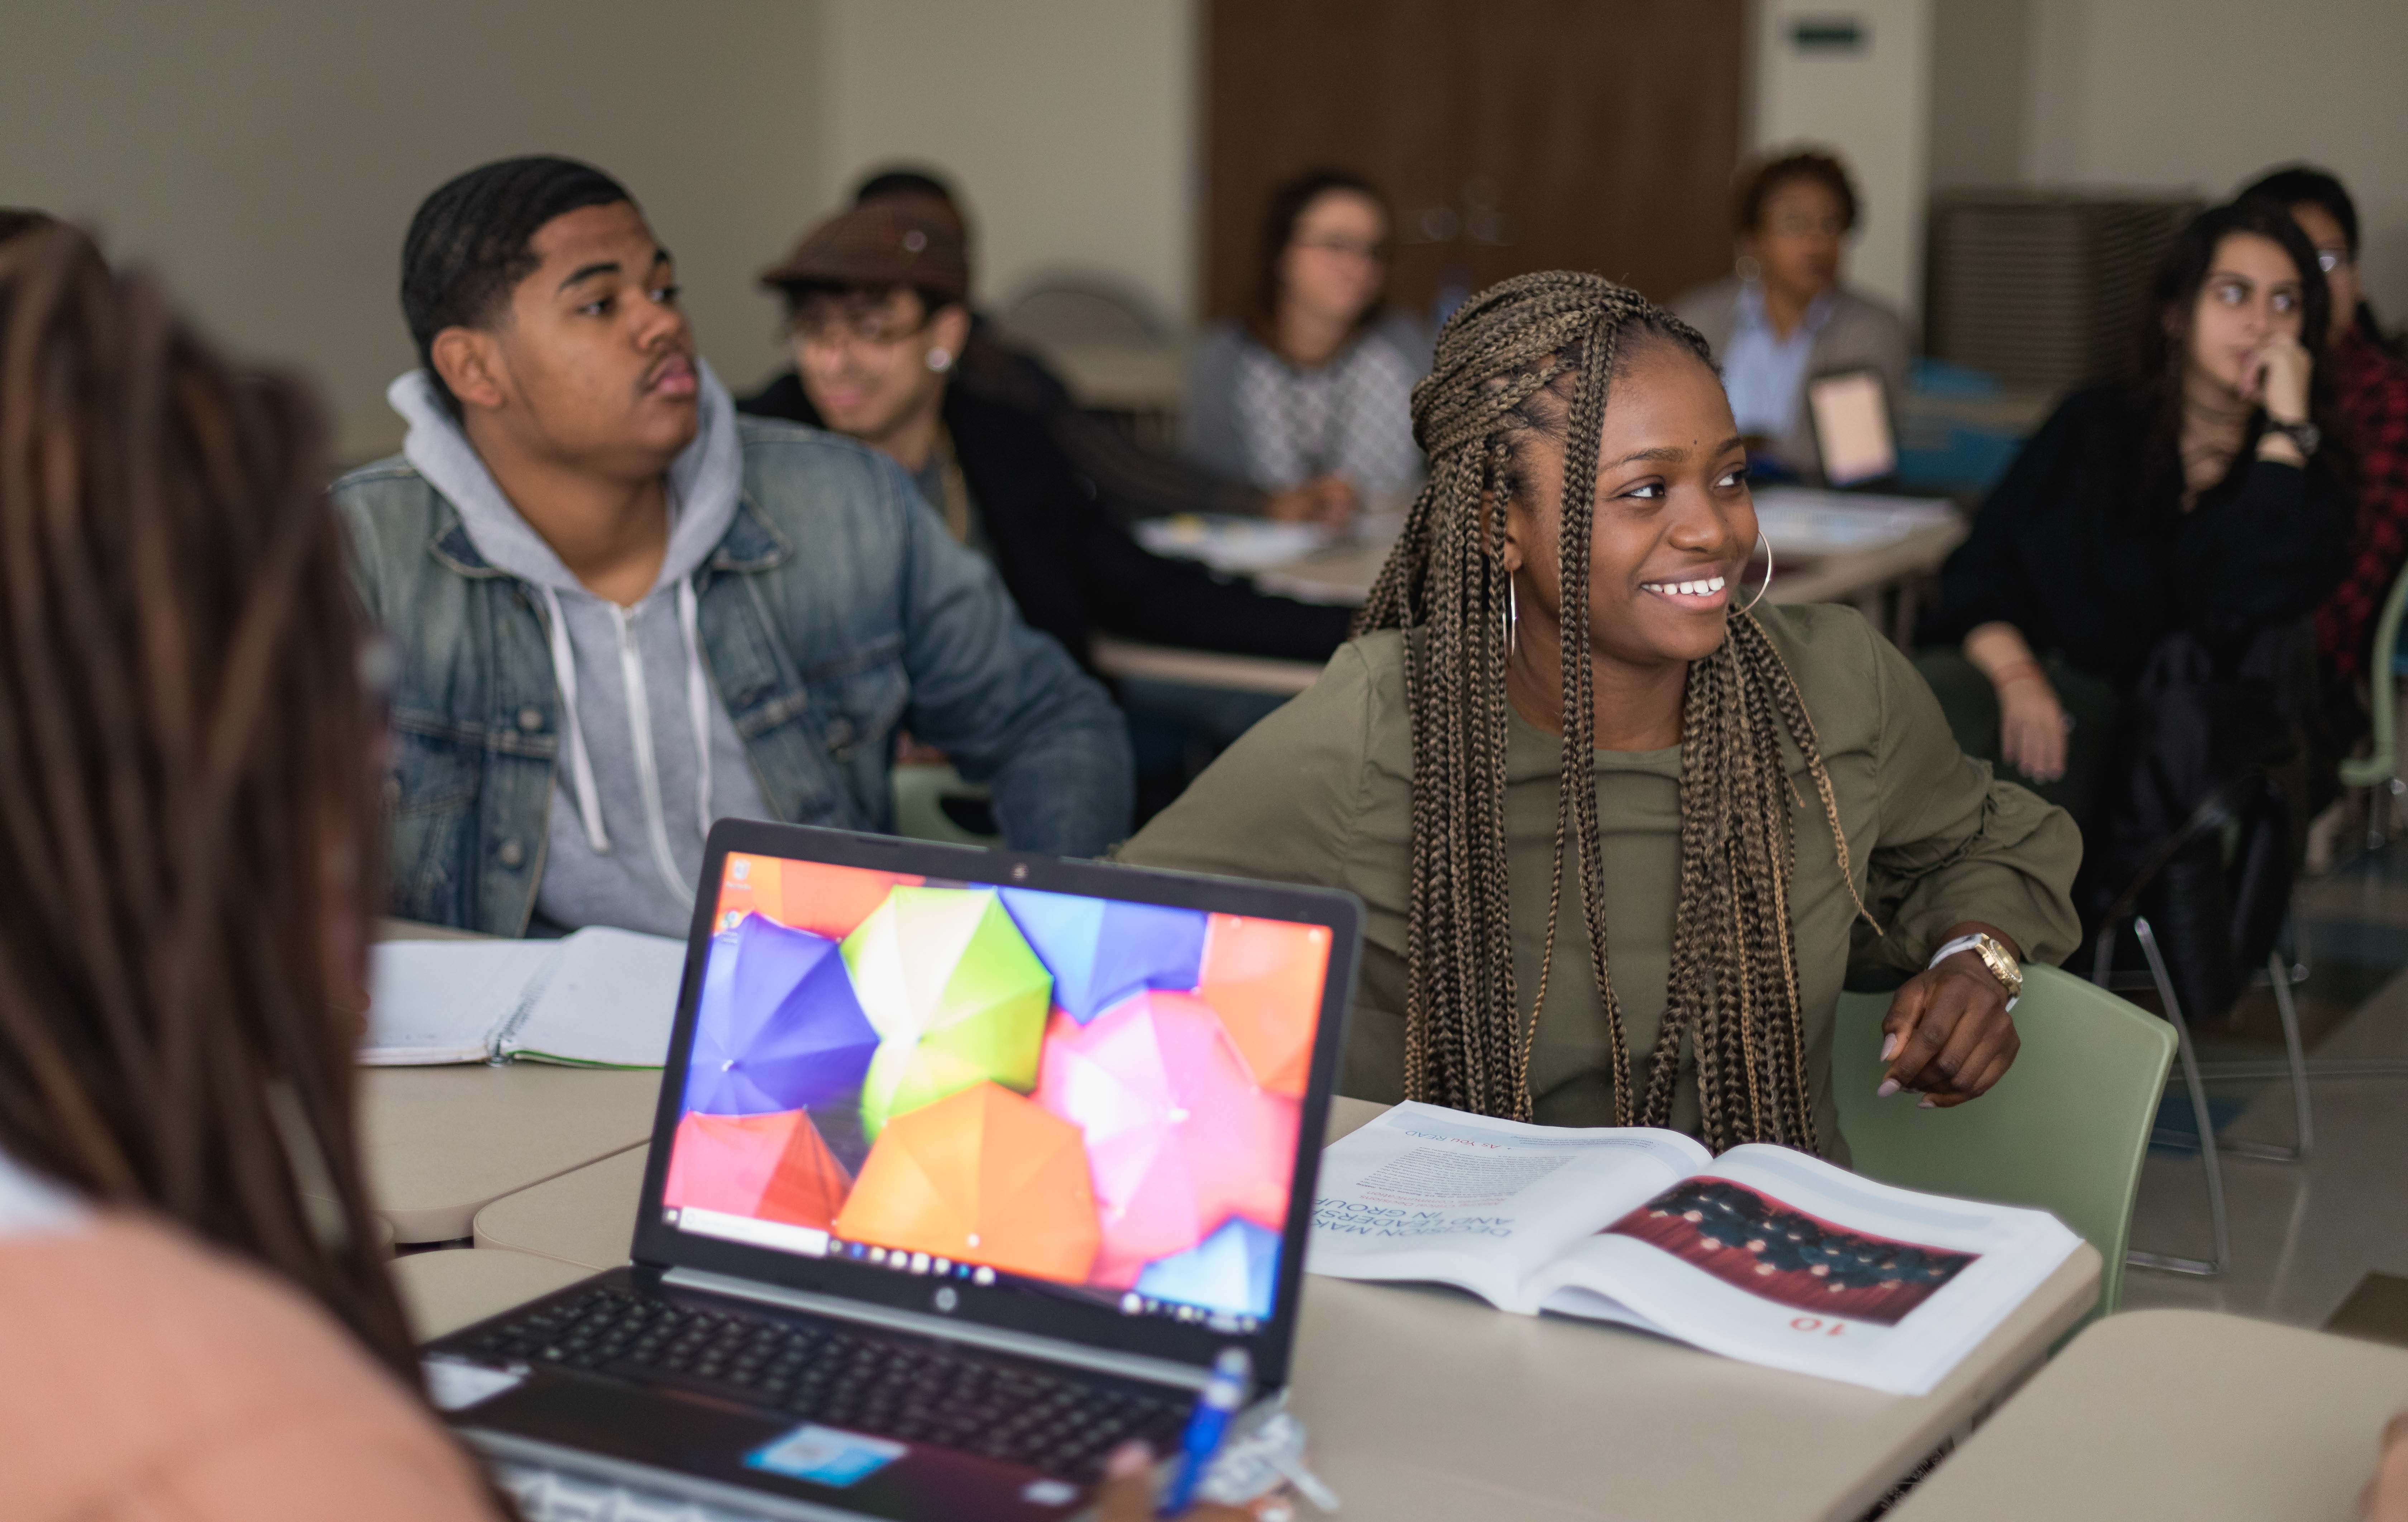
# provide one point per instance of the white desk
(2185, 1415)
(451, 1287)
(1866, 576)
(1427, 1403)
(439, 1143)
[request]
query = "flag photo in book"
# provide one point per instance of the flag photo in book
(1762, 1245)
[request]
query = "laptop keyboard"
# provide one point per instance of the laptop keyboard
(917, 1390)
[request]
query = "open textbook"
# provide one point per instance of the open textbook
(598, 998)
(1763, 1254)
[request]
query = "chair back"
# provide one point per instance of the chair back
(2065, 1130)
(2381, 761)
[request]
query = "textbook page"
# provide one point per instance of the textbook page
(1783, 1259)
(435, 1002)
(1429, 1193)
(608, 1002)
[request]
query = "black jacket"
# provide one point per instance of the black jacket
(1069, 565)
(2084, 548)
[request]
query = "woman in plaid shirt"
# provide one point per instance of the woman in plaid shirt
(2371, 384)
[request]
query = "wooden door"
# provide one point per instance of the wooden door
(1510, 135)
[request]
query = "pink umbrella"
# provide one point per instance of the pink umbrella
(770, 1166)
(1178, 1135)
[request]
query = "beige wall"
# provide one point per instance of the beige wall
(1069, 128)
(266, 155)
(1873, 106)
(2206, 93)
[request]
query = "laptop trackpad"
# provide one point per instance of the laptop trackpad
(845, 1471)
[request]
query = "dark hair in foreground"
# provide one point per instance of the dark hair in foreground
(2166, 331)
(1756, 187)
(185, 782)
(1534, 358)
(18, 219)
(1288, 203)
(468, 247)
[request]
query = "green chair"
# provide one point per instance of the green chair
(2064, 1130)
(921, 790)
(2379, 769)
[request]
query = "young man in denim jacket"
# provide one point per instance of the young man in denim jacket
(623, 612)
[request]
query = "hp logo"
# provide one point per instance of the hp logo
(947, 1300)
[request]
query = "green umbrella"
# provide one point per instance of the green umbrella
(954, 992)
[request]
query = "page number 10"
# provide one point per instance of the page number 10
(1816, 1323)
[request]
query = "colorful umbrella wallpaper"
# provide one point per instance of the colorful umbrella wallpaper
(1081, 1090)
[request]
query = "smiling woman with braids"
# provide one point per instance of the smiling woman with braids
(1616, 866)
(196, 1319)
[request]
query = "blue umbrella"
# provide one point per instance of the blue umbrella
(1100, 950)
(1233, 1270)
(780, 1027)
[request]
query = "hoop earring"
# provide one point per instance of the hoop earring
(1768, 573)
(1512, 612)
(941, 360)
(1746, 268)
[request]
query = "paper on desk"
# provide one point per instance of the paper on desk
(608, 1003)
(1800, 520)
(601, 998)
(435, 1002)
(1232, 545)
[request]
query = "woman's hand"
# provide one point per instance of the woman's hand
(1126, 1494)
(2032, 723)
(2277, 379)
(1327, 500)
(1948, 1035)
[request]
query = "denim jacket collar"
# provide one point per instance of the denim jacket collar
(751, 543)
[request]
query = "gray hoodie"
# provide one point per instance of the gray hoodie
(650, 757)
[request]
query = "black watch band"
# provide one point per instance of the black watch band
(2307, 435)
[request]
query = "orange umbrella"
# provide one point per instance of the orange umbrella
(771, 1167)
(813, 895)
(984, 1176)
(1264, 979)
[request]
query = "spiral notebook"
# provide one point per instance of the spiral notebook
(598, 998)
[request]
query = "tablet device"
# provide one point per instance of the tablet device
(1850, 410)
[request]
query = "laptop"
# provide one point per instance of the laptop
(1852, 435)
(968, 1165)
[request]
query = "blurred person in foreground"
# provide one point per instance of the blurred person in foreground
(624, 611)
(1317, 380)
(875, 301)
(198, 1320)
(2371, 394)
(1132, 480)
(1784, 317)
(2126, 627)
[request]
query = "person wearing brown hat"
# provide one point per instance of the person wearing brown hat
(1133, 480)
(875, 299)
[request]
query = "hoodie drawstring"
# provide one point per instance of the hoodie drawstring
(581, 765)
(697, 700)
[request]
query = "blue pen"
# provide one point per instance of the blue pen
(1225, 1391)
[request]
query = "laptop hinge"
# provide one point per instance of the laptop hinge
(1027, 1344)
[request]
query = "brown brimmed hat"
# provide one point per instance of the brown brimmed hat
(911, 240)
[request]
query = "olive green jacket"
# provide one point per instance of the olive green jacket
(1321, 792)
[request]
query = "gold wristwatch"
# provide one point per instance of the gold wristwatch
(1993, 954)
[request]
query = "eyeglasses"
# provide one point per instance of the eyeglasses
(877, 325)
(2330, 260)
(1376, 252)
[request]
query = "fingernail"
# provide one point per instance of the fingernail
(1128, 1460)
(1929, 1103)
(1889, 1086)
(1889, 1046)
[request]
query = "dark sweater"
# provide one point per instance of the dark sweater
(2083, 546)
(1069, 565)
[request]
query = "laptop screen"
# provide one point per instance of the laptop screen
(1084, 1096)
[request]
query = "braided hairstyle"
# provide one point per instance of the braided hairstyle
(186, 786)
(1536, 356)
